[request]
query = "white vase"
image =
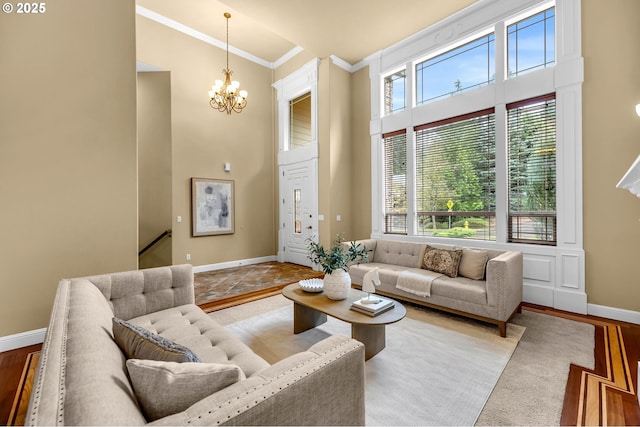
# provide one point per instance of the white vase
(337, 284)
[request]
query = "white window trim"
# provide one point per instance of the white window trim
(294, 85)
(553, 276)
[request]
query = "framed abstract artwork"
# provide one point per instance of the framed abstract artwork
(212, 207)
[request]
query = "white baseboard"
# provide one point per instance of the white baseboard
(614, 313)
(23, 339)
(230, 264)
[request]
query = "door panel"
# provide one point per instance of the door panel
(298, 214)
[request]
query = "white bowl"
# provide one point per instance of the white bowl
(311, 285)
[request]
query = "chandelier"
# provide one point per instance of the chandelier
(227, 96)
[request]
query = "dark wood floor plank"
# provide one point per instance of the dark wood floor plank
(11, 366)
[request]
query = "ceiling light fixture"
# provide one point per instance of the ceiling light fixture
(227, 96)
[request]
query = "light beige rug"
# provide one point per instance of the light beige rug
(436, 369)
(531, 390)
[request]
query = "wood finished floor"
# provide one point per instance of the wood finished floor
(606, 395)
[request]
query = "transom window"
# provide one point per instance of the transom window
(531, 43)
(394, 92)
(466, 67)
(300, 131)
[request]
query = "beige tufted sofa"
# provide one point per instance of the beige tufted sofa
(82, 377)
(493, 298)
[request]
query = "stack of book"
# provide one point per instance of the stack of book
(372, 309)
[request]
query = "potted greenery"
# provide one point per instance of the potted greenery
(335, 264)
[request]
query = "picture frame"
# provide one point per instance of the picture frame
(212, 207)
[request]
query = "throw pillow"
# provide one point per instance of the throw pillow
(165, 388)
(139, 343)
(445, 261)
(473, 263)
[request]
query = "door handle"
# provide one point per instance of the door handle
(309, 228)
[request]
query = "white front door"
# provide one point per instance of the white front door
(298, 210)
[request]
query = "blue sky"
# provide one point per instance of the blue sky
(473, 64)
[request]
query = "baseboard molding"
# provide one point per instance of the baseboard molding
(230, 264)
(24, 339)
(620, 314)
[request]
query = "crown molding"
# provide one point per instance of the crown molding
(161, 19)
(287, 56)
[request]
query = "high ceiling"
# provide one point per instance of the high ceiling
(269, 29)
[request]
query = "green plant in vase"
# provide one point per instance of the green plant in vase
(335, 264)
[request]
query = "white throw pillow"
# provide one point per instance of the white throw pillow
(473, 263)
(165, 388)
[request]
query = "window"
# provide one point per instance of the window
(483, 165)
(297, 212)
(394, 92)
(531, 43)
(532, 170)
(469, 66)
(300, 121)
(455, 177)
(395, 182)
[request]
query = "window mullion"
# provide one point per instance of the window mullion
(411, 182)
(410, 86)
(502, 172)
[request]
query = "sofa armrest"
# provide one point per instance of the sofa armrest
(321, 386)
(504, 283)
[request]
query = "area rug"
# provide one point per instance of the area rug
(531, 390)
(436, 369)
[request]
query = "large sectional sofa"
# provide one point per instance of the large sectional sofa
(485, 284)
(87, 377)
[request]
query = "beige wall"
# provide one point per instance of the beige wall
(611, 141)
(204, 139)
(361, 154)
(341, 155)
(325, 232)
(154, 167)
(335, 153)
(67, 152)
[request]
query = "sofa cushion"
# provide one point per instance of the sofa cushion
(404, 254)
(473, 263)
(189, 326)
(445, 261)
(139, 343)
(460, 289)
(165, 388)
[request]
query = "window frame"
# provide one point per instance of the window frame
(383, 91)
(475, 38)
(514, 215)
(568, 64)
(486, 114)
(389, 215)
